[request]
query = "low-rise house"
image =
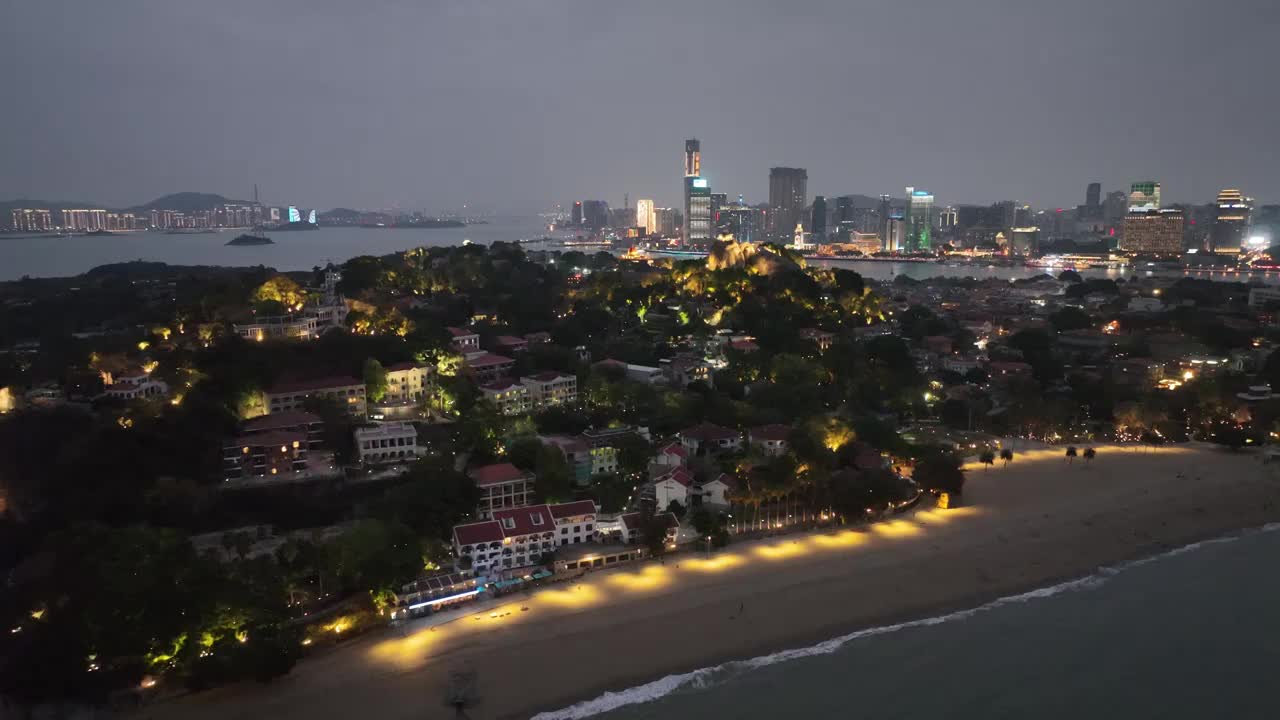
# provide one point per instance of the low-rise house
(304, 326)
(710, 439)
(502, 486)
(134, 384)
(510, 344)
(541, 337)
(551, 388)
(632, 527)
(671, 455)
(464, 341)
(960, 364)
(386, 442)
(408, 382)
(682, 371)
(821, 338)
(309, 425)
(1145, 304)
(771, 440)
(674, 486)
(577, 454)
(716, 491)
(275, 453)
(509, 396)
(488, 367)
(521, 537)
(347, 391)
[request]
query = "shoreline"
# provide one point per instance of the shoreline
(1030, 526)
(890, 623)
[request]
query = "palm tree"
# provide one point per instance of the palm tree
(1007, 456)
(1071, 454)
(1090, 453)
(987, 458)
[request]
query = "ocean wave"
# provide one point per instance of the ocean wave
(708, 676)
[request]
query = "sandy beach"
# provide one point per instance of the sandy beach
(1038, 521)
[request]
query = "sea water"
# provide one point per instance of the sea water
(1192, 633)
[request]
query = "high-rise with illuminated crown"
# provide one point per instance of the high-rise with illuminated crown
(697, 196)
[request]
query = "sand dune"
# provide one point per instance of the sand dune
(1038, 521)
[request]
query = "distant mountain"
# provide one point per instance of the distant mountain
(189, 202)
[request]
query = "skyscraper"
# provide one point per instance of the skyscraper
(692, 158)
(788, 193)
(1093, 201)
(646, 217)
(918, 220)
(818, 223)
(576, 218)
(1230, 222)
(885, 209)
(1144, 196)
(1153, 232)
(595, 213)
(697, 196)
(697, 211)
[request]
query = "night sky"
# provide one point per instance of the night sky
(517, 105)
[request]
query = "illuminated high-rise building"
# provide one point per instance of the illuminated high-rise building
(576, 217)
(646, 217)
(1093, 201)
(1144, 196)
(883, 211)
(1153, 232)
(697, 196)
(918, 219)
(31, 219)
(692, 158)
(788, 196)
(1230, 222)
(948, 218)
(697, 211)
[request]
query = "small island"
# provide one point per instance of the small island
(247, 239)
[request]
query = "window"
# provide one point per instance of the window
(577, 528)
(588, 528)
(564, 531)
(535, 518)
(509, 523)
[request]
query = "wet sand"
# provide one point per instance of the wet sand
(1038, 521)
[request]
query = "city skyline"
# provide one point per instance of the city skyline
(428, 119)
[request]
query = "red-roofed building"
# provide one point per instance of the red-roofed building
(710, 439)
(716, 492)
(346, 390)
(744, 345)
(674, 486)
(772, 440)
(502, 486)
(671, 455)
(632, 525)
(488, 367)
(510, 344)
(519, 537)
(464, 341)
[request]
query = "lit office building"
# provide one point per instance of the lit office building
(1153, 232)
(1144, 196)
(697, 211)
(646, 217)
(788, 196)
(697, 196)
(1230, 222)
(918, 220)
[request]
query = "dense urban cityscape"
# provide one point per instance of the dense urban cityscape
(448, 374)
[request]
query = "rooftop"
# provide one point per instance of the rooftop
(281, 420)
(770, 432)
(496, 474)
(708, 431)
(340, 381)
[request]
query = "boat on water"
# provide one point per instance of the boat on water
(248, 239)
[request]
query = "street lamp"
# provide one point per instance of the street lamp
(708, 546)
